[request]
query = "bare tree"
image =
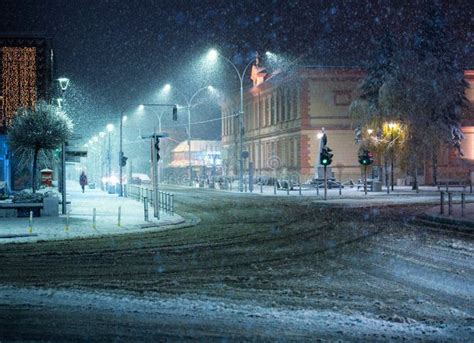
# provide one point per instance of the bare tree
(44, 127)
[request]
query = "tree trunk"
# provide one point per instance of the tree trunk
(35, 163)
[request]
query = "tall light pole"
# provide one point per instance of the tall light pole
(110, 128)
(189, 101)
(212, 55)
(63, 84)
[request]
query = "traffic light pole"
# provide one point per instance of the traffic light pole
(365, 179)
(175, 113)
(154, 171)
(325, 183)
(155, 141)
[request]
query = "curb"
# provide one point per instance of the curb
(449, 224)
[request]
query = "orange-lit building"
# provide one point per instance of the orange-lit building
(450, 166)
(26, 69)
(283, 114)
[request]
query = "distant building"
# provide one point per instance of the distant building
(450, 166)
(26, 68)
(284, 114)
(205, 158)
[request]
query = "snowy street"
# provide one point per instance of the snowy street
(251, 268)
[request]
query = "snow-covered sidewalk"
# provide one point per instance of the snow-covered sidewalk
(80, 219)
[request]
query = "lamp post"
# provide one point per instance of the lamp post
(392, 126)
(122, 120)
(110, 128)
(212, 56)
(189, 101)
(63, 84)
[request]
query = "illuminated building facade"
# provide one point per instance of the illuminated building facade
(26, 69)
(284, 113)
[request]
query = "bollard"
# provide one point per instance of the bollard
(450, 204)
(317, 189)
(274, 188)
(288, 187)
(463, 204)
(299, 185)
(340, 188)
(119, 216)
(93, 218)
(145, 208)
(261, 186)
(441, 203)
(172, 204)
(447, 188)
(30, 228)
(66, 228)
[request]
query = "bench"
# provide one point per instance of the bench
(20, 209)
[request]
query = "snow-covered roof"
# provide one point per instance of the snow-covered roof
(198, 145)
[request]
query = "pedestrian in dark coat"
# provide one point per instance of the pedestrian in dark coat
(83, 180)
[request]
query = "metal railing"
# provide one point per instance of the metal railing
(450, 202)
(146, 195)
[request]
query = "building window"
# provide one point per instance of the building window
(288, 104)
(342, 98)
(295, 103)
(272, 113)
(267, 110)
(282, 102)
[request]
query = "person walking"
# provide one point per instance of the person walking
(83, 180)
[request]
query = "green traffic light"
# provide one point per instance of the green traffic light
(325, 161)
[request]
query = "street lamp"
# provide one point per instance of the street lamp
(63, 84)
(212, 55)
(189, 101)
(110, 128)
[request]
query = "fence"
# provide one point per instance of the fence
(146, 195)
(442, 202)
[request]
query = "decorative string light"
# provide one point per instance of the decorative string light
(18, 80)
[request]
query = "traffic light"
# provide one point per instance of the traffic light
(123, 161)
(175, 113)
(157, 148)
(366, 158)
(326, 156)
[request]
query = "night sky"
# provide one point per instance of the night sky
(122, 52)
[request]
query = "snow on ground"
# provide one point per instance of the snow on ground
(14, 230)
(212, 312)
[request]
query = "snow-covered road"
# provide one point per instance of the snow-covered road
(279, 269)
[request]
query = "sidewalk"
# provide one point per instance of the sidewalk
(80, 220)
(350, 197)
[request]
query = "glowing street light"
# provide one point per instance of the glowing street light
(110, 127)
(63, 83)
(189, 101)
(212, 56)
(370, 131)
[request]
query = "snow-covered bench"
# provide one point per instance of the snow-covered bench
(20, 209)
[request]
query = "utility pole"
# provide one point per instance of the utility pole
(155, 157)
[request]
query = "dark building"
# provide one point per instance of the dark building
(26, 68)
